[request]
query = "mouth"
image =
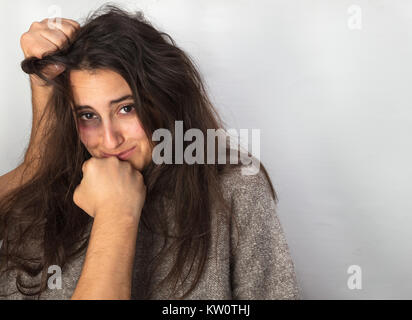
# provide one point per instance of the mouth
(122, 156)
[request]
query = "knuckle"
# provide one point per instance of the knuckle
(24, 37)
(71, 29)
(35, 25)
(62, 37)
(75, 22)
(92, 162)
(61, 42)
(68, 29)
(75, 196)
(38, 52)
(70, 21)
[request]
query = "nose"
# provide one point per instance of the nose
(112, 137)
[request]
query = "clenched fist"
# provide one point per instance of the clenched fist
(112, 187)
(45, 37)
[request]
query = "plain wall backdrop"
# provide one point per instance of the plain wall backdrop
(328, 85)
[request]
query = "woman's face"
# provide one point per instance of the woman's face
(106, 117)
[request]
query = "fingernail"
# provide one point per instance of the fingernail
(58, 67)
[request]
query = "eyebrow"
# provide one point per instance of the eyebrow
(128, 96)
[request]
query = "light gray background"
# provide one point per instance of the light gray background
(332, 104)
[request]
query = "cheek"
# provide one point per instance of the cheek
(88, 136)
(144, 144)
(137, 131)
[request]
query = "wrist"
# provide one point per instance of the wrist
(37, 82)
(117, 217)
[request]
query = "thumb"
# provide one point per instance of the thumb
(59, 68)
(53, 70)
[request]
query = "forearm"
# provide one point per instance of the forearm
(11, 180)
(38, 41)
(40, 96)
(107, 269)
(26, 169)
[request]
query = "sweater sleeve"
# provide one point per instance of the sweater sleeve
(261, 265)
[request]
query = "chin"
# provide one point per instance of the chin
(137, 165)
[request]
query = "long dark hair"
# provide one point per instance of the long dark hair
(166, 87)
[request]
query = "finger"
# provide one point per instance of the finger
(39, 46)
(70, 27)
(48, 47)
(72, 22)
(52, 70)
(84, 166)
(56, 37)
(76, 195)
(66, 28)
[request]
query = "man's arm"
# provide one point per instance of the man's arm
(107, 269)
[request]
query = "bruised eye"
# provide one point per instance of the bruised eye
(87, 115)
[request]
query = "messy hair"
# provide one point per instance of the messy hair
(166, 87)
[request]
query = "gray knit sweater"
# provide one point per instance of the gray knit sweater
(259, 268)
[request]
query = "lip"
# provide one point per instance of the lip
(123, 156)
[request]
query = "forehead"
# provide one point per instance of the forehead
(97, 86)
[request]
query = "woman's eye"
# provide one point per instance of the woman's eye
(128, 107)
(86, 114)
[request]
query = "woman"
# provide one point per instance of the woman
(118, 224)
